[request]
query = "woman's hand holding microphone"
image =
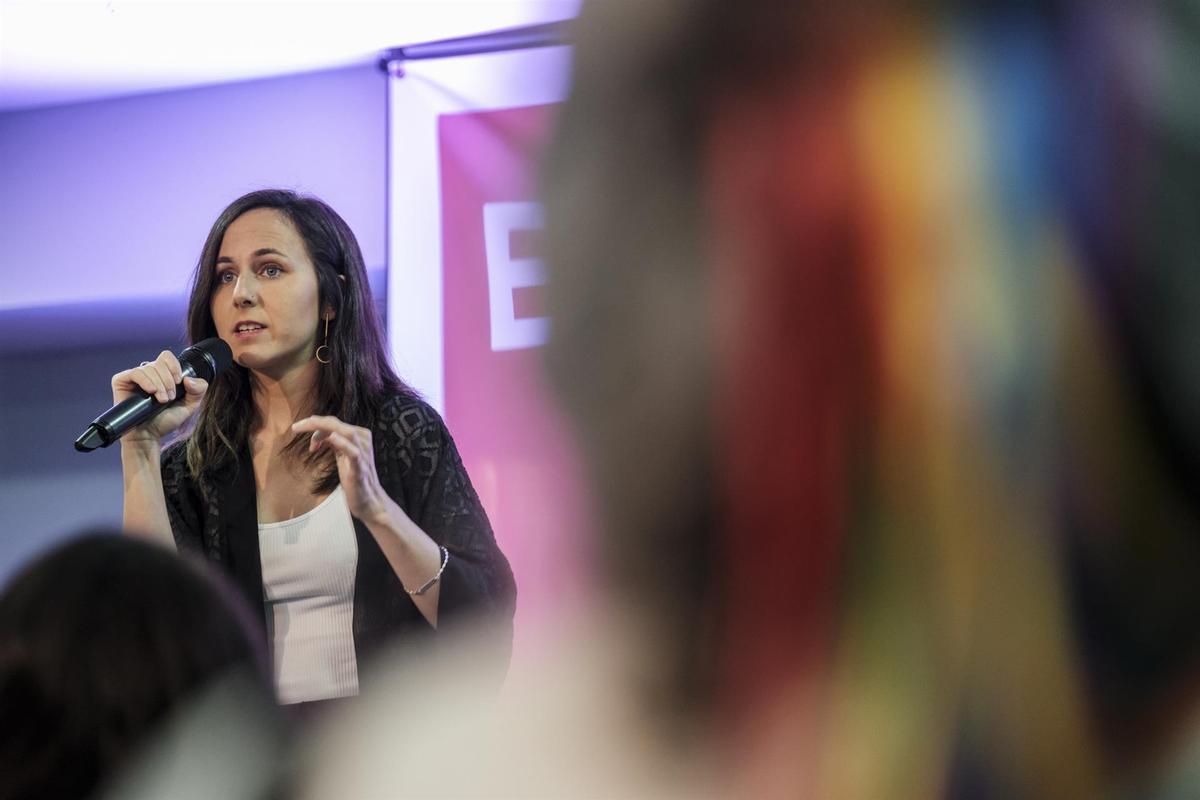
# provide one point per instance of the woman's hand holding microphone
(160, 379)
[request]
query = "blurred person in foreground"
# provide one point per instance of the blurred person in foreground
(878, 327)
(124, 669)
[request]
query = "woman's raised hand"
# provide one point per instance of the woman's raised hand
(352, 447)
(159, 378)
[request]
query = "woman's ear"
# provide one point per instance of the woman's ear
(328, 313)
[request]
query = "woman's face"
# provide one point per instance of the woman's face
(265, 299)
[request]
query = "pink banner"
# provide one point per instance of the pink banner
(514, 442)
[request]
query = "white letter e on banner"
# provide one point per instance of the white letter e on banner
(505, 274)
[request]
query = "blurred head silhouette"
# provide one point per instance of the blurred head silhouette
(100, 639)
(878, 326)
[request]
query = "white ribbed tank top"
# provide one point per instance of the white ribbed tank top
(308, 566)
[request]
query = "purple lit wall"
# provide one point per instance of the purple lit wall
(111, 200)
(103, 209)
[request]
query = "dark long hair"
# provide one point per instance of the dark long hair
(351, 387)
(100, 639)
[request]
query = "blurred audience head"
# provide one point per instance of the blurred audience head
(100, 639)
(878, 325)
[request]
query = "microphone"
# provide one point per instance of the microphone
(206, 360)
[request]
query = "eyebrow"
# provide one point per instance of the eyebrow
(262, 251)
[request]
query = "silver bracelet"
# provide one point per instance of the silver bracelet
(429, 583)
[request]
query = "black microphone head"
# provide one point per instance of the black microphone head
(208, 358)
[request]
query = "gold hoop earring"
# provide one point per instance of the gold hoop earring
(325, 347)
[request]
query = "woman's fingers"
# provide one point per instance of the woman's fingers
(194, 389)
(161, 379)
(166, 386)
(167, 360)
(341, 444)
(157, 378)
(196, 386)
(332, 439)
(169, 373)
(324, 426)
(324, 423)
(146, 377)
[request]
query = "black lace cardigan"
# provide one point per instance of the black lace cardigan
(420, 469)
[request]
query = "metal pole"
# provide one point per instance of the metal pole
(546, 34)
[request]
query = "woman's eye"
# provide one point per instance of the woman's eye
(272, 271)
(225, 277)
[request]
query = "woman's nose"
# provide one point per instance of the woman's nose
(244, 291)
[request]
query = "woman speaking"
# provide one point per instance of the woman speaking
(329, 491)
